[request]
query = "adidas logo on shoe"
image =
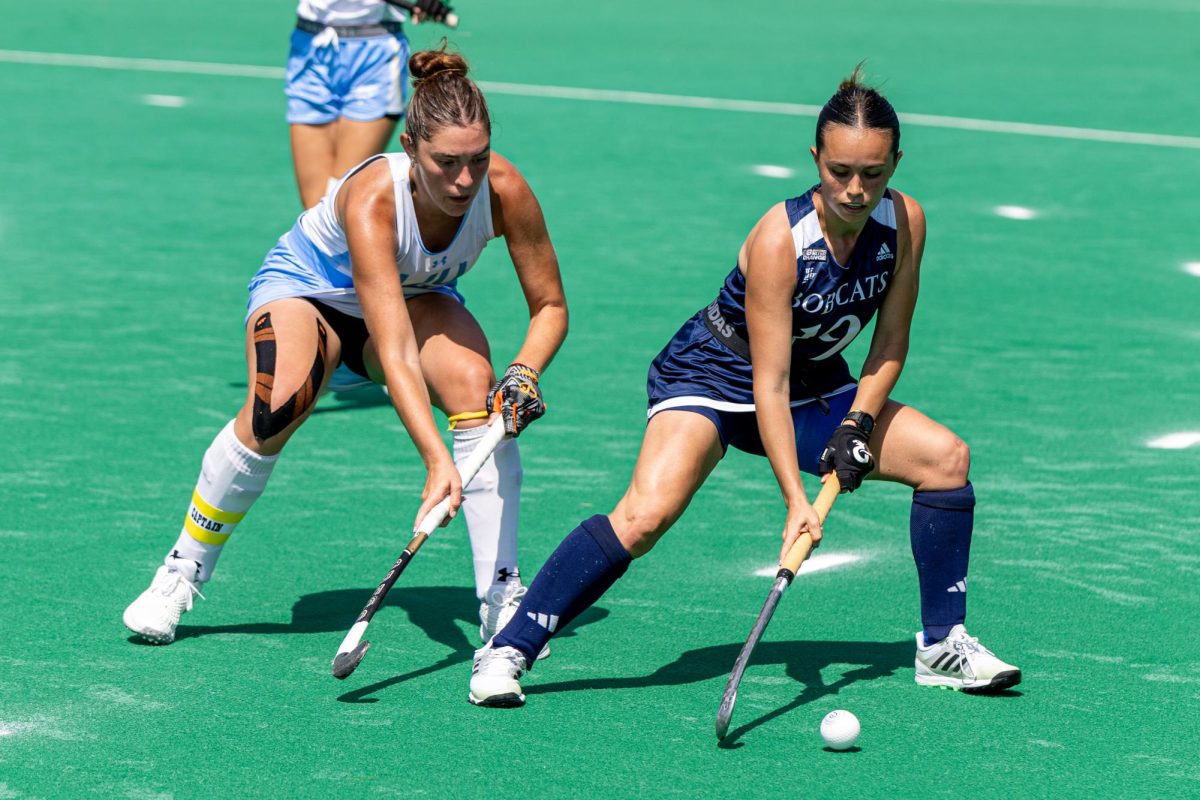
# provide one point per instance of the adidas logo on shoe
(496, 676)
(960, 662)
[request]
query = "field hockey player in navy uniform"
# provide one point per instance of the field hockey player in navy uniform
(809, 277)
(368, 278)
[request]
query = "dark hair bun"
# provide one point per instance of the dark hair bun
(855, 81)
(859, 106)
(426, 64)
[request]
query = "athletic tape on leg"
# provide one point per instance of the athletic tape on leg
(265, 421)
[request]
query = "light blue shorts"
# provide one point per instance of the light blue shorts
(363, 79)
(294, 267)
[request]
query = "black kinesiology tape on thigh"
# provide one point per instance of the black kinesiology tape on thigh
(267, 423)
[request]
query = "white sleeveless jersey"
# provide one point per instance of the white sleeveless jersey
(313, 259)
(348, 12)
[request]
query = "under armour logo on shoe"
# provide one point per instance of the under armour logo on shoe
(961, 586)
(547, 621)
(504, 573)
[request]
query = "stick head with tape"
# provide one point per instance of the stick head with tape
(345, 663)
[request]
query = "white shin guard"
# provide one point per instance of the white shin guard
(491, 503)
(232, 476)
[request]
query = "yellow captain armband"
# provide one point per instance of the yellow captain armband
(466, 415)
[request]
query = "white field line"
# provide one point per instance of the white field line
(139, 64)
(816, 563)
(626, 97)
(1175, 441)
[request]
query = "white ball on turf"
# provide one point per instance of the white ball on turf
(840, 730)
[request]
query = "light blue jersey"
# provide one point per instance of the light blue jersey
(313, 258)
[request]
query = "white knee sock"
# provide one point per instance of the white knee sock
(490, 504)
(232, 476)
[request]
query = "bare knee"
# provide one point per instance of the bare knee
(468, 390)
(476, 379)
(950, 464)
(639, 524)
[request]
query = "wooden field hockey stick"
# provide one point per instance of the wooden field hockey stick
(352, 649)
(451, 20)
(783, 579)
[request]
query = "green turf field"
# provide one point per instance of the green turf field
(1058, 346)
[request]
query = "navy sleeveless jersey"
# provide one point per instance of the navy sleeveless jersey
(831, 304)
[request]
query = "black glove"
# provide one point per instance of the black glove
(517, 398)
(435, 10)
(849, 455)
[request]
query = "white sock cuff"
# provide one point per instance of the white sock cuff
(469, 434)
(245, 460)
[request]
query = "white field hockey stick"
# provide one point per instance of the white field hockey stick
(353, 648)
(783, 579)
(451, 20)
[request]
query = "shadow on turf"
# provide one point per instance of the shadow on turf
(441, 629)
(802, 660)
(437, 611)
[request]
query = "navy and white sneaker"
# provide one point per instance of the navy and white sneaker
(496, 677)
(960, 662)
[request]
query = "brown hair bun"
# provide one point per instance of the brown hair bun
(443, 94)
(426, 64)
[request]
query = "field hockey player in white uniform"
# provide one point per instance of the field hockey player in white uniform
(367, 279)
(346, 85)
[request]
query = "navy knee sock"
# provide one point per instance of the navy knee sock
(940, 531)
(583, 567)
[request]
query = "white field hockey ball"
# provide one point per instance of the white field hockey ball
(840, 730)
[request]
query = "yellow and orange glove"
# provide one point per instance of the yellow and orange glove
(516, 398)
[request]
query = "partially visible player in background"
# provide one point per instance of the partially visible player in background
(347, 84)
(808, 278)
(367, 278)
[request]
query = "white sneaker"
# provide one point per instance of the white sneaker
(495, 677)
(155, 613)
(960, 662)
(498, 609)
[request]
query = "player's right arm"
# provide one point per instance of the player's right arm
(366, 206)
(769, 262)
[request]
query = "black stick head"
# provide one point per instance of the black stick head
(345, 663)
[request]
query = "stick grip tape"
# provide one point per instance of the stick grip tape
(803, 545)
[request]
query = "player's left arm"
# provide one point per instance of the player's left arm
(889, 345)
(848, 452)
(517, 217)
